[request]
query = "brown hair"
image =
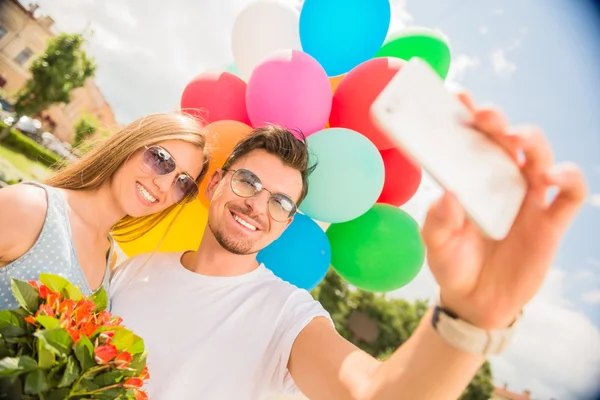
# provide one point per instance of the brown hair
(98, 166)
(279, 142)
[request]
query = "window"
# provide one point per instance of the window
(23, 56)
(3, 32)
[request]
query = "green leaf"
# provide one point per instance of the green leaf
(137, 346)
(12, 366)
(72, 372)
(112, 394)
(57, 341)
(11, 324)
(46, 358)
(123, 338)
(54, 282)
(36, 382)
(84, 351)
(108, 378)
(58, 394)
(100, 298)
(48, 322)
(4, 352)
(138, 362)
(27, 296)
(72, 292)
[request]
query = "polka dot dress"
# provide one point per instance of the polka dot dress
(52, 253)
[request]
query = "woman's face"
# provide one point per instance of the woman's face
(157, 176)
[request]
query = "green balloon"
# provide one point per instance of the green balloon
(379, 251)
(419, 42)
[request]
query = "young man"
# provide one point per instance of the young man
(218, 325)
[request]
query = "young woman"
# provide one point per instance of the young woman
(129, 183)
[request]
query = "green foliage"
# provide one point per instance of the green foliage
(392, 321)
(59, 344)
(85, 127)
(30, 148)
(64, 66)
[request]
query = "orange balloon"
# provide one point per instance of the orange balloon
(222, 138)
(334, 81)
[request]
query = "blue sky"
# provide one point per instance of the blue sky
(537, 59)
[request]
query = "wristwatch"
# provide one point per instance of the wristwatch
(466, 337)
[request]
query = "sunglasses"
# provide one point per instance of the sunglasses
(246, 184)
(158, 161)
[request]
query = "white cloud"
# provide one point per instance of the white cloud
(592, 261)
(484, 30)
(594, 200)
(502, 66)
(498, 11)
(592, 297)
(460, 65)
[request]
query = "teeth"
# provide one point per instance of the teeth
(147, 196)
(242, 222)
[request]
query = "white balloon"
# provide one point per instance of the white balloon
(261, 29)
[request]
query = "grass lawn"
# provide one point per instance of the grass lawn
(15, 166)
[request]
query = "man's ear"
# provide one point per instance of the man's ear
(213, 183)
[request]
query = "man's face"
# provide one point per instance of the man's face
(245, 225)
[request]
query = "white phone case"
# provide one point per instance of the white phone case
(428, 123)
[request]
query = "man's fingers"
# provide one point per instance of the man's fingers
(537, 152)
(444, 218)
(572, 191)
(467, 100)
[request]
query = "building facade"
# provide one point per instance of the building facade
(23, 37)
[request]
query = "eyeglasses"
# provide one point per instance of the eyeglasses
(158, 161)
(246, 184)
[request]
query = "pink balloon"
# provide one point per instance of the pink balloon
(216, 96)
(290, 89)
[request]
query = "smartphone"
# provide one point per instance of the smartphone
(428, 123)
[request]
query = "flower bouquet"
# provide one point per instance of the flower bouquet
(61, 345)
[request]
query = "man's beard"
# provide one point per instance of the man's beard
(235, 247)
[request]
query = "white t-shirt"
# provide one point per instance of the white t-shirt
(211, 337)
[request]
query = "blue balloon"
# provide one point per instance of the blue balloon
(233, 69)
(301, 255)
(341, 34)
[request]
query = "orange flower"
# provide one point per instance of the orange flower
(105, 354)
(103, 318)
(45, 309)
(105, 337)
(66, 306)
(116, 321)
(133, 383)
(88, 328)
(140, 395)
(122, 360)
(75, 334)
(53, 300)
(31, 320)
(34, 284)
(145, 374)
(44, 291)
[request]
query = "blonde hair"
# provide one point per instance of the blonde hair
(98, 166)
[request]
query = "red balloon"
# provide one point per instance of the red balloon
(216, 96)
(355, 94)
(402, 178)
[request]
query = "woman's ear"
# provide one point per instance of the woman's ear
(213, 183)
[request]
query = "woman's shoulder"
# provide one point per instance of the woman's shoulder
(23, 210)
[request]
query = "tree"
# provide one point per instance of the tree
(85, 127)
(64, 66)
(378, 325)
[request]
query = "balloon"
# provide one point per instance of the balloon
(301, 255)
(354, 96)
(379, 251)
(289, 89)
(185, 233)
(348, 178)
(424, 43)
(261, 29)
(233, 69)
(222, 138)
(402, 178)
(342, 34)
(334, 81)
(214, 96)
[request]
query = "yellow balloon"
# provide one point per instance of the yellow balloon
(185, 233)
